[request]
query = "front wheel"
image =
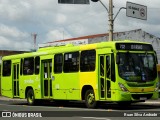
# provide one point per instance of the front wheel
(90, 99)
(30, 97)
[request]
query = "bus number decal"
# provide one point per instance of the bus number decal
(28, 81)
(122, 46)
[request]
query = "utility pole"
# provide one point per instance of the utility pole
(110, 15)
(34, 39)
(110, 12)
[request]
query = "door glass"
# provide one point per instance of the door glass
(102, 77)
(47, 81)
(108, 67)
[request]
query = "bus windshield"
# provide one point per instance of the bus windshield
(137, 67)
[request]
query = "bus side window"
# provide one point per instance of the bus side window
(6, 68)
(88, 59)
(58, 62)
(28, 66)
(71, 62)
(37, 64)
(21, 68)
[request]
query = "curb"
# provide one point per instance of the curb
(11, 99)
(17, 99)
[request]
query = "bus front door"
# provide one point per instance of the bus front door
(46, 78)
(104, 77)
(16, 79)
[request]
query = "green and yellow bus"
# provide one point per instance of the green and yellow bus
(117, 71)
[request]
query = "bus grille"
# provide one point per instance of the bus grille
(138, 96)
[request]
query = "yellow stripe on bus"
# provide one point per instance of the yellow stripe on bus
(141, 90)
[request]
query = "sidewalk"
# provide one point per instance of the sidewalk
(17, 99)
(152, 101)
(11, 99)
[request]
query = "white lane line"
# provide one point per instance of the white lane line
(96, 118)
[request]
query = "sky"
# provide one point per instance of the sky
(20, 19)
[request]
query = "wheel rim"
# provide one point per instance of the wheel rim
(30, 98)
(90, 99)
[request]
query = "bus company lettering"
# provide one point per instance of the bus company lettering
(28, 81)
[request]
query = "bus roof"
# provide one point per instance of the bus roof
(69, 48)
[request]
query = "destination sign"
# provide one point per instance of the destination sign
(134, 46)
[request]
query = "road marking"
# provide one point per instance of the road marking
(96, 118)
(65, 108)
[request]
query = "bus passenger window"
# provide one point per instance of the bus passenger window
(28, 66)
(6, 68)
(21, 67)
(58, 60)
(88, 59)
(71, 62)
(37, 65)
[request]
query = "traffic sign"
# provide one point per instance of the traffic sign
(73, 1)
(136, 11)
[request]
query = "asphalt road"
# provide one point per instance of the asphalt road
(18, 109)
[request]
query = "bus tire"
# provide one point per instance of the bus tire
(30, 97)
(90, 99)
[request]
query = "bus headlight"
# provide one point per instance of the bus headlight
(157, 87)
(123, 88)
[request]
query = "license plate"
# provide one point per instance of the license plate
(143, 98)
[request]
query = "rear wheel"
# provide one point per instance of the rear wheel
(30, 97)
(90, 99)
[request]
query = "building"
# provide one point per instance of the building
(137, 34)
(9, 52)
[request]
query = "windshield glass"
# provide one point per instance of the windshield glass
(137, 67)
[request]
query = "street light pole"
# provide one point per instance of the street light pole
(110, 15)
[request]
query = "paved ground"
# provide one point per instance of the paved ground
(16, 99)
(7, 99)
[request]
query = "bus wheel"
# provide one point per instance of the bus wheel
(90, 99)
(30, 97)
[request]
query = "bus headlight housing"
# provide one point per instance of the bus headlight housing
(123, 88)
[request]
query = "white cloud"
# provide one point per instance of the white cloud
(23, 46)
(11, 32)
(53, 21)
(57, 35)
(10, 44)
(61, 18)
(15, 11)
(4, 42)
